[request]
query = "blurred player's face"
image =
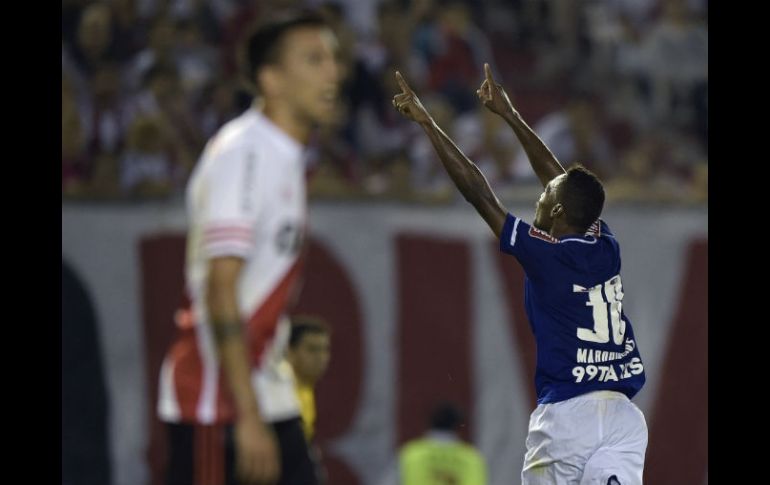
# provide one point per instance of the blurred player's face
(545, 204)
(308, 74)
(310, 357)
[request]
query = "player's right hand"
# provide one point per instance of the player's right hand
(408, 104)
(493, 95)
(257, 461)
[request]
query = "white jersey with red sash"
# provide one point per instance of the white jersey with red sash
(246, 198)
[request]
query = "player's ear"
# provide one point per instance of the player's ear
(557, 210)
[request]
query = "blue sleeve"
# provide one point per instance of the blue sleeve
(533, 248)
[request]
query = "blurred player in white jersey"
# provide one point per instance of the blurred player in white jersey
(225, 391)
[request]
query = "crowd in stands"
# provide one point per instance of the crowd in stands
(618, 85)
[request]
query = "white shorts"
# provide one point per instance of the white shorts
(586, 440)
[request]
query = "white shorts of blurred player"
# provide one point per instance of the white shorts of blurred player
(585, 441)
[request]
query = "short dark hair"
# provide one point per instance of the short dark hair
(263, 45)
(304, 324)
(446, 417)
(582, 196)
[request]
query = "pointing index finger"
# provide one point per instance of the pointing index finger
(488, 73)
(404, 86)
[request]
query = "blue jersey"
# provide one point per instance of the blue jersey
(573, 296)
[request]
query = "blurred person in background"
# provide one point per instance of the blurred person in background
(106, 114)
(130, 29)
(377, 135)
(89, 166)
(197, 62)
(148, 166)
(661, 166)
(440, 456)
(159, 51)
(452, 48)
(163, 96)
(85, 399)
(74, 160)
(309, 353)
(572, 133)
(675, 54)
(487, 139)
(94, 42)
(216, 106)
(226, 390)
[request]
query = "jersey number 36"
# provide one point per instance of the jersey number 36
(607, 307)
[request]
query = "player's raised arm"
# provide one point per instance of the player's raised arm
(465, 174)
(494, 97)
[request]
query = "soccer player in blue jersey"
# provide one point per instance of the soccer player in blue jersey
(585, 429)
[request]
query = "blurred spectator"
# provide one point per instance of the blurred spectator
(454, 51)
(440, 456)
(130, 30)
(197, 62)
(380, 132)
(162, 95)
(563, 49)
(74, 161)
(488, 140)
(85, 400)
(574, 134)
(206, 15)
(676, 57)
(645, 60)
(216, 106)
(639, 14)
(106, 117)
(94, 43)
(159, 52)
(662, 166)
(375, 133)
(147, 169)
(334, 168)
(70, 18)
(308, 353)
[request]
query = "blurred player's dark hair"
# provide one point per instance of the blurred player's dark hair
(263, 45)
